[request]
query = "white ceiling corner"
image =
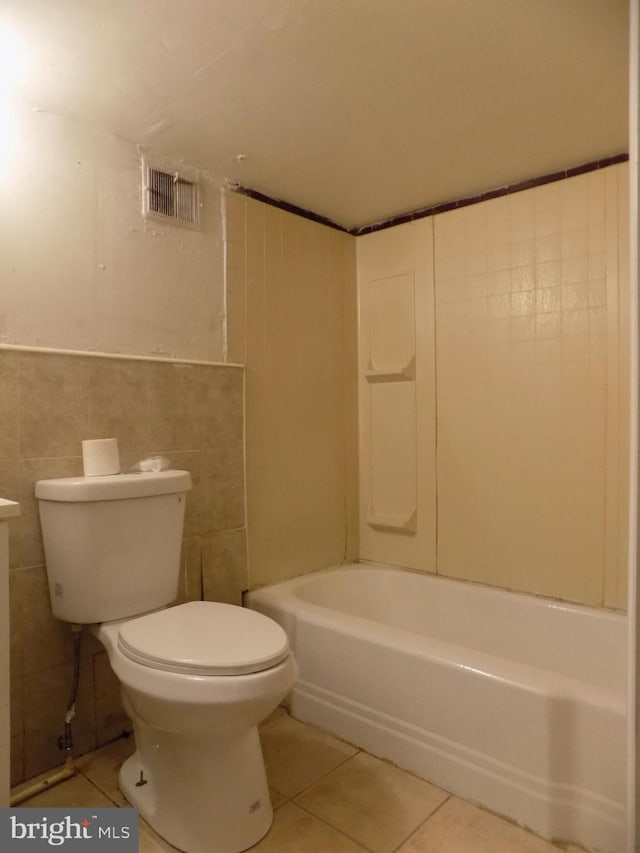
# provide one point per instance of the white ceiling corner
(358, 110)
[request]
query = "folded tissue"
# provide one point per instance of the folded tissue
(151, 463)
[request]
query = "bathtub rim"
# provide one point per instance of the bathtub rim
(561, 604)
(277, 596)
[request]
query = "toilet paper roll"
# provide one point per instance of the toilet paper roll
(100, 456)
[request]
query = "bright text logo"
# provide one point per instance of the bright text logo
(30, 830)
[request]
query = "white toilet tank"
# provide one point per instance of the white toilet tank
(112, 544)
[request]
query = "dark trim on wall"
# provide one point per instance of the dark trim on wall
(495, 193)
(436, 208)
(289, 208)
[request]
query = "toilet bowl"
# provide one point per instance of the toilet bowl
(196, 678)
(196, 681)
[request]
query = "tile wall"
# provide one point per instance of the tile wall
(531, 322)
(50, 402)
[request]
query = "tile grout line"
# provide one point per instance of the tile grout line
(422, 823)
(308, 811)
(334, 828)
(82, 773)
(325, 775)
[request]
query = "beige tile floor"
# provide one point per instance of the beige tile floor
(328, 797)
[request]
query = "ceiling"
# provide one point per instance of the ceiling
(357, 110)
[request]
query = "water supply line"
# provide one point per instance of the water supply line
(65, 741)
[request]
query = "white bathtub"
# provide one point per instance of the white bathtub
(512, 701)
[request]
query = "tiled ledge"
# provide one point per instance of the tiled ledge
(164, 359)
(8, 509)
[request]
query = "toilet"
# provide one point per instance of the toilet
(196, 678)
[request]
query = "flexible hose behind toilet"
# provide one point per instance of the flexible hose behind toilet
(65, 742)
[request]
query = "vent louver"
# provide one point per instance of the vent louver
(170, 196)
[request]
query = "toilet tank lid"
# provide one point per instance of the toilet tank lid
(113, 487)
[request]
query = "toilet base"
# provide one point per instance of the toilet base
(214, 798)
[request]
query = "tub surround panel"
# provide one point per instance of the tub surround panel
(393, 498)
(618, 398)
(291, 312)
(521, 407)
(289, 208)
(390, 376)
(142, 404)
(397, 396)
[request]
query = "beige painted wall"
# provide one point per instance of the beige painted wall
(292, 321)
(79, 266)
(531, 314)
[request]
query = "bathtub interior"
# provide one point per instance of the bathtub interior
(571, 640)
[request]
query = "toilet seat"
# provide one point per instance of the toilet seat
(204, 638)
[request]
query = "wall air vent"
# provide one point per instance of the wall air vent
(170, 196)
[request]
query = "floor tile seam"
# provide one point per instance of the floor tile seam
(264, 727)
(105, 793)
(323, 776)
(283, 803)
(335, 828)
(308, 810)
(423, 822)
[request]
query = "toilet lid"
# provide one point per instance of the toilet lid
(204, 638)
